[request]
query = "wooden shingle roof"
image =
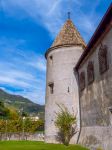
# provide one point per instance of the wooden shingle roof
(68, 35)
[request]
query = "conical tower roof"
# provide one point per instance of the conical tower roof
(68, 36)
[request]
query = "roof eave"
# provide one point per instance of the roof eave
(60, 46)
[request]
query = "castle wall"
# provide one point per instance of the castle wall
(95, 101)
(60, 73)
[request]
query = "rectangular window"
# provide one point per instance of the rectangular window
(51, 59)
(90, 72)
(103, 59)
(82, 81)
(110, 111)
(51, 87)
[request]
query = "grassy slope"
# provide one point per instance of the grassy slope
(29, 145)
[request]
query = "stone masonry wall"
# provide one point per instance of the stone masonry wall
(95, 101)
(60, 73)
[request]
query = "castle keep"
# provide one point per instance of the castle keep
(80, 77)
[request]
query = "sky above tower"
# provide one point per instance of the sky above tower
(27, 30)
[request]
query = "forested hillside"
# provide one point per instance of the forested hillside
(20, 103)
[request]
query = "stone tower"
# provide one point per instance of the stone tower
(61, 86)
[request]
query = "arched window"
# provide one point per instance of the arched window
(103, 59)
(90, 72)
(82, 81)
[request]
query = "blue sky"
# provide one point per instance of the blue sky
(28, 28)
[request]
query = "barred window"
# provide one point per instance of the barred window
(90, 72)
(82, 81)
(103, 59)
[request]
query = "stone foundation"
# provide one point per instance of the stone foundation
(94, 137)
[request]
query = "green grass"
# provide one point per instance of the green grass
(29, 145)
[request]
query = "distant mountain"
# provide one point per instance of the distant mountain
(21, 103)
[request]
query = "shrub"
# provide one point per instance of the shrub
(66, 124)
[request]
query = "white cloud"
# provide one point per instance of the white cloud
(32, 86)
(52, 13)
(23, 70)
(25, 57)
(40, 63)
(27, 70)
(12, 81)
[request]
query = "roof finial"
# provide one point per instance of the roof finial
(69, 15)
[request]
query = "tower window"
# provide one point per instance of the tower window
(103, 59)
(110, 109)
(51, 87)
(82, 81)
(51, 59)
(68, 90)
(90, 72)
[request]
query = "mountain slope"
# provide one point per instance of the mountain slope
(20, 103)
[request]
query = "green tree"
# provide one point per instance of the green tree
(1, 104)
(27, 125)
(39, 125)
(4, 112)
(2, 128)
(31, 126)
(18, 127)
(66, 124)
(8, 113)
(13, 114)
(11, 128)
(24, 114)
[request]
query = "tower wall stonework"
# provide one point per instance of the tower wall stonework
(60, 73)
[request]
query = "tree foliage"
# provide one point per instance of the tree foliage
(12, 122)
(66, 124)
(4, 112)
(20, 127)
(2, 128)
(8, 113)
